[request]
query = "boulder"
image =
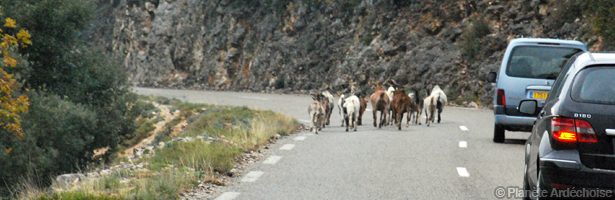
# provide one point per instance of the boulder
(67, 181)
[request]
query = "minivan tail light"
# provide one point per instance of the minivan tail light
(501, 99)
(571, 130)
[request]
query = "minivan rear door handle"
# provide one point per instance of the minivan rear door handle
(610, 132)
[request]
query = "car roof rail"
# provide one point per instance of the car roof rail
(590, 55)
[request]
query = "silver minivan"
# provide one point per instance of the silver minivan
(529, 67)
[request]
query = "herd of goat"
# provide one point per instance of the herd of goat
(392, 104)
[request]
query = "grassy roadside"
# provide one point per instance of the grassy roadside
(225, 132)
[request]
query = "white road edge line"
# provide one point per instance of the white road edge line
(463, 144)
(299, 138)
(272, 160)
(463, 128)
(463, 172)
(228, 196)
(305, 120)
(287, 147)
(252, 176)
(257, 98)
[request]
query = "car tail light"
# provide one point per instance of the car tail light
(571, 130)
(585, 131)
(501, 99)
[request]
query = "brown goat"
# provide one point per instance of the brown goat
(328, 105)
(401, 104)
(416, 108)
(363, 102)
(380, 102)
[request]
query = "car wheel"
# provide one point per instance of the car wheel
(498, 134)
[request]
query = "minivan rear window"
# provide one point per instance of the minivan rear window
(595, 85)
(538, 61)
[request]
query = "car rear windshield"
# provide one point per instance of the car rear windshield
(538, 61)
(595, 85)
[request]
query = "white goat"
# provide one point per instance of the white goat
(390, 111)
(351, 106)
(317, 113)
(442, 100)
(340, 105)
(435, 101)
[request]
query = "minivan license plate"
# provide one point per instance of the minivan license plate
(539, 95)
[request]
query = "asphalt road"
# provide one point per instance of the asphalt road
(418, 162)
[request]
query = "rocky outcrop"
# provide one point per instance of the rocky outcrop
(66, 181)
(300, 45)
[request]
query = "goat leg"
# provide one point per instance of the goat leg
(398, 119)
(347, 124)
(354, 121)
(375, 118)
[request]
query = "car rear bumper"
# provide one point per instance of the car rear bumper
(572, 173)
(506, 120)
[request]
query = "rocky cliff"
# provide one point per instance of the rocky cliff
(301, 45)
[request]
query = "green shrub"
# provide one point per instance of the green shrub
(144, 128)
(348, 7)
(603, 20)
(472, 36)
(280, 83)
(564, 11)
(367, 39)
(143, 109)
(599, 12)
(163, 136)
(55, 26)
(58, 138)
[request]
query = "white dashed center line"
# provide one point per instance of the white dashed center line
(252, 176)
(463, 128)
(299, 138)
(305, 120)
(463, 144)
(463, 172)
(272, 160)
(228, 196)
(287, 147)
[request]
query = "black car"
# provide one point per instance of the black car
(571, 151)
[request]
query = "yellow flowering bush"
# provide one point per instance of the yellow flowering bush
(10, 105)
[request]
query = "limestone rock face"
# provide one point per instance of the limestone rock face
(301, 45)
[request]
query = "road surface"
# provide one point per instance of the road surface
(455, 159)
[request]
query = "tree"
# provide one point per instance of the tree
(10, 105)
